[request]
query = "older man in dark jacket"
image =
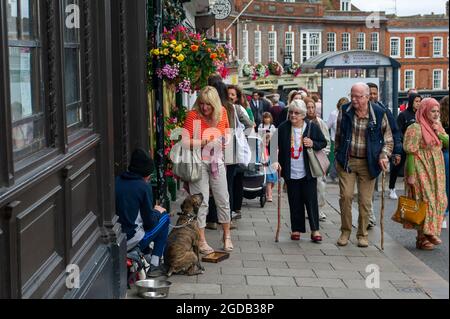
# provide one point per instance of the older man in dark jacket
(364, 144)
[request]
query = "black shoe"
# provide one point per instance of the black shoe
(156, 271)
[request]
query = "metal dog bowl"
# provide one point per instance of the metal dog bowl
(153, 288)
(153, 295)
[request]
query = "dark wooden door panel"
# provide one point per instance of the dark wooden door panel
(3, 262)
(40, 243)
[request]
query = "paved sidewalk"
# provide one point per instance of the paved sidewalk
(260, 268)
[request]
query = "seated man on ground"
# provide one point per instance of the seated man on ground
(141, 222)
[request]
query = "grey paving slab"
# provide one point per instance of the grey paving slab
(293, 258)
(243, 232)
(261, 250)
(245, 256)
(307, 245)
(280, 245)
(374, 253)
(187, 288)
(326, 259)
(370, 260)
(229, 263)
(345, 293)
(291, 272)
(245, 271)
(299, 292)
(341, 274)
(270, 297)
(183, 279)
(319, 282)
(361, 284)
(393, 294)
(264, 264)
(247, 290)
(389, 275)
(309, 265)
(222, 279)
(221, 296)
(261, 268)
(300, 251)
(246, 244)
(180, 296)
(360, 266)
(271, 281)
(337, 252)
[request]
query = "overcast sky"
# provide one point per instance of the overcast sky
(404, 7)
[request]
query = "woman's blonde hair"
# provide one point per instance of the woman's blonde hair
(209, 95)
(298, 105)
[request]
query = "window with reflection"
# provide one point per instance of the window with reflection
(27, 111)
(72, 63)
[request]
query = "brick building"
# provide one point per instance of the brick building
(269, 30)
(420, 44)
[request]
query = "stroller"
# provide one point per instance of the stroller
(254, 182)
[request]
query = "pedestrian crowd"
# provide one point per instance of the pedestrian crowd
(361, 138)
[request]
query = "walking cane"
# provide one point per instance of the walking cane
(382, 210)
(279, 207)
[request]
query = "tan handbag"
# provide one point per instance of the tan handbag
(318, 160)
(410, 210)
(187, 164)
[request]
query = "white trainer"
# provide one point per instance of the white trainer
(393, 194)
(444, 223)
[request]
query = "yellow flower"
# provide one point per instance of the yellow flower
(179, 48)
(155, 52)
(173, 41)
(165, 43)
(180, 58)
(166, 51)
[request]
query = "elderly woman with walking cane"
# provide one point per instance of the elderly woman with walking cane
(294, 136)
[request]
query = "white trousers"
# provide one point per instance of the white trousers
(219, 188)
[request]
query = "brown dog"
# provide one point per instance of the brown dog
(182, 253)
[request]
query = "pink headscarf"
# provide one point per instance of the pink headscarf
(428, 134)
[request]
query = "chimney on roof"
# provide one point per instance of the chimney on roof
(446, 9)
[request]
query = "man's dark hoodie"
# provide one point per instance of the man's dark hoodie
(134, 199)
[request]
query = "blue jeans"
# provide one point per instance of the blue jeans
(446, 175)
(158, 235)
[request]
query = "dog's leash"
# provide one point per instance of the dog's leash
(190, 220)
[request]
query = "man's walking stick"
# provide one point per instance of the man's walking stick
(279, 207)
(383, 174)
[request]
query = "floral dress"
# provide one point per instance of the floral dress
(429, 173)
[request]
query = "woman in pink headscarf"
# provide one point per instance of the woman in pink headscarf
(425, 170)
